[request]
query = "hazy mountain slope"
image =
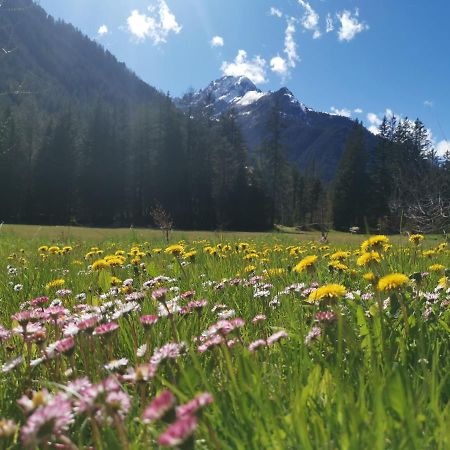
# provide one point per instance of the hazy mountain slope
(53, 61)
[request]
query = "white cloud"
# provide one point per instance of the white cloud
(310, 19)
(168, 20)
(290, 47)
(282, 65)
(358, 111)
(103, 29)
(341, 112)
(350, 25)
(279, 65)
(375, 122)
(428, 103)
(374, 119)
(254, 69)
(275, 12)
(156, 26)
(217, 41)
(442, 147)
(140, 25)
(330, 23)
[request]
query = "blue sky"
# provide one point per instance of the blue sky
(362, 58)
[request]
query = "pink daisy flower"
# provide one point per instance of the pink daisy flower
(105, 329)
(51, 420)
(276, 337)
(148, 321)
(195, 405)
(179, 432)
(159, 407)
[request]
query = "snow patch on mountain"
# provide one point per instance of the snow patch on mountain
(251, 97)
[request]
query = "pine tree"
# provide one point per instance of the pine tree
(53, 181)
(274, 165)
(380, 175)
(350, 197)
(10, 166)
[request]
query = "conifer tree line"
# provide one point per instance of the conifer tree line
(111, 166)
(400, 185)
(105, 165)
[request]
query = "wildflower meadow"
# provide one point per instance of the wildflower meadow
(261, 342)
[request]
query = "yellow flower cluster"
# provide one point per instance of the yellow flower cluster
(329, 291)
(368, 257)
(377, 242)
(55, 284)
(392, 281)
(305, 264)
(416, 238)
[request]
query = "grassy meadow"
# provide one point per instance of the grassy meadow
(115, 339)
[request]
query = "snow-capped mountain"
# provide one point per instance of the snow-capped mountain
(240, 94)
(311, 139)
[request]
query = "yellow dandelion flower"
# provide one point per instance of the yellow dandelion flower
(190, 255)
(444, 283)
(436, 268)
(100, 264)
(43, 249)
(428, 253)
(275, 272)
(249, 269)
(369, 276)
(375, 243)
(340, 255)
(416, 238)
(251, 256)
(175, 250)
(157, 251)
(53, 249)
(115, 281)
(336, 265)
(295, 251)
(368, 258)
(327, 291)
(392, 281)
(306, 263)
(115, 261)
(55, 284)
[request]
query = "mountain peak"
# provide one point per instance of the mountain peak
(228, 81)
(229, 88)
(222, 94)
